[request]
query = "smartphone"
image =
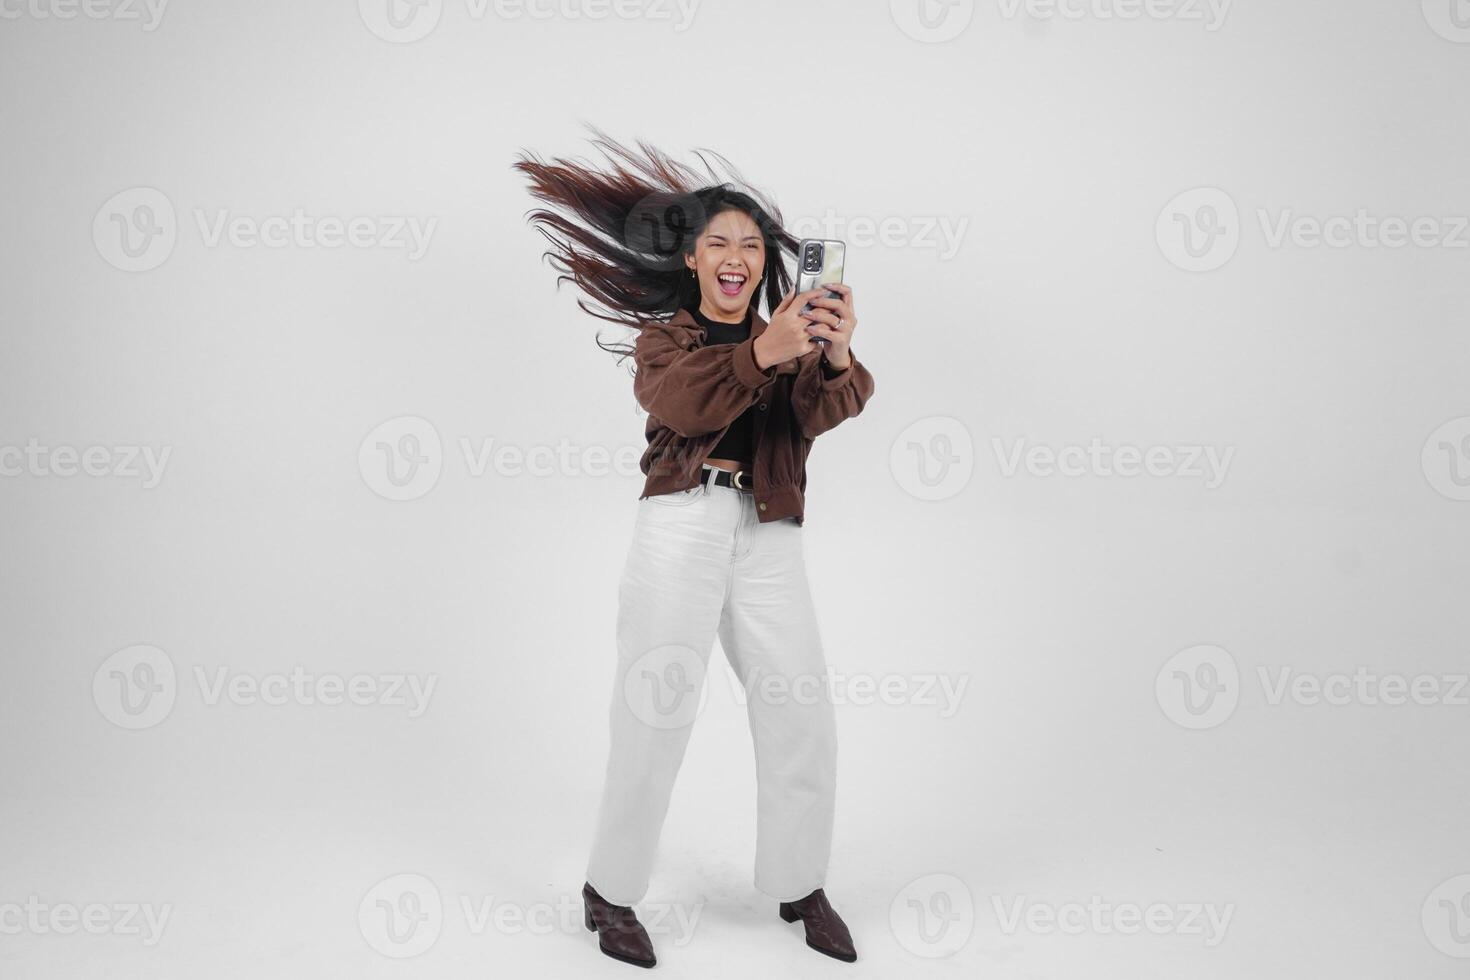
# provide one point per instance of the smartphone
(818, 262)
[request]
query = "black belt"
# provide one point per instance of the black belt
(734, 479)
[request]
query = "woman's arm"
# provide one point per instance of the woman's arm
(821, 398)
(695, 392)
(839, 388)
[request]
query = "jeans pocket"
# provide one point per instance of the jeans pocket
(677, 498)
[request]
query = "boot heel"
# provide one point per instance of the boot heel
(587, 918)
(787, 914)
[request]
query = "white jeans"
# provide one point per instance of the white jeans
(701, 564)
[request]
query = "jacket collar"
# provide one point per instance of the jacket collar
(685, 319)
(691, 335)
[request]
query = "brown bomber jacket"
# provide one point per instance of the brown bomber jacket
(692, 394)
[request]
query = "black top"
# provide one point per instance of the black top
(738, 442)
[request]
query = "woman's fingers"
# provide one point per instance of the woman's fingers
(840, 306)
(826, 332)
(811, 295)
(806, 299)
(833, 317)
(843, 291)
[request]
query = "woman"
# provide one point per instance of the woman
(734, 403)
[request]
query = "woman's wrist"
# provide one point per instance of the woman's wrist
(756, 352)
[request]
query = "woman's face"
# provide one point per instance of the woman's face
(729, 257)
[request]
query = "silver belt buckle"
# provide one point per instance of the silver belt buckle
(735, 479)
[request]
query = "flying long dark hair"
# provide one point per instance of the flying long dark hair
(620, 232)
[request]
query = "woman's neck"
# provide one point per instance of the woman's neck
(719, 317)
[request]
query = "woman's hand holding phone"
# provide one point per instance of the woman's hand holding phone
(834, 320)
(789, 332)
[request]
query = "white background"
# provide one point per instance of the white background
(1333, 833)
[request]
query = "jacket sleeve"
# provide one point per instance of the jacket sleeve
(821, 398)
(698, 391)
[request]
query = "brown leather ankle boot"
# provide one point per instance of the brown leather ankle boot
(825, 930)
(619, 934)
